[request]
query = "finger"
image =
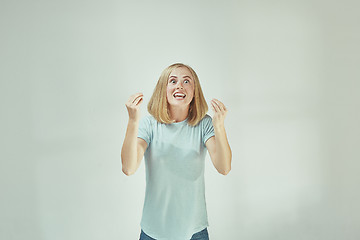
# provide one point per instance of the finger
(212, 107)
(217, 109)
(216, 105)
(138, 101)
(134, 97)
(220, 104)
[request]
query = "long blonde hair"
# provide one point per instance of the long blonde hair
(158, 105)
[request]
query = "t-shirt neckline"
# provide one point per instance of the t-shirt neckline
(182, 122)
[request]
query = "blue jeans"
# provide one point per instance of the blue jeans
(202, 235)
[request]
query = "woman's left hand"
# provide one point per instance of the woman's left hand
(220, 112)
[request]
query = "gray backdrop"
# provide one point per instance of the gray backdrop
(286, 70)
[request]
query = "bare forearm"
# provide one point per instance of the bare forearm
(223, 151)
(129, 148)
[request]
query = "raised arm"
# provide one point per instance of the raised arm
(133, 148)
(218, 146)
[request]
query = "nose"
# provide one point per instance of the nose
(179, 85)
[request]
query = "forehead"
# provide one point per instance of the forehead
(180, 72)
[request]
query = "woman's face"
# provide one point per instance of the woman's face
(180, 87)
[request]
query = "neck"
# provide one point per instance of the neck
(178, 114)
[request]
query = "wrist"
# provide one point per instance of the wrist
(219, 126)
(133, 121)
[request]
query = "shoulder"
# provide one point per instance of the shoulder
(205, 122)
(147, 120)
(151, 120)
(206, 119)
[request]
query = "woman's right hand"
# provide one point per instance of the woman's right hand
(133, 106)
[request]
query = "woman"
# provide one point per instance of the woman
(174, 140)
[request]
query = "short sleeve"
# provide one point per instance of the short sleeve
(145, 131)
(207, 128)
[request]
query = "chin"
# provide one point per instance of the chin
(179, 103)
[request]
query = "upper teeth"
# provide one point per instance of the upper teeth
(179, 95)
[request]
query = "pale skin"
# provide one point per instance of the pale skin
(180, 81)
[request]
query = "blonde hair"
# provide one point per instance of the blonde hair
(158, 105)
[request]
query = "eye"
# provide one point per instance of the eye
(172, 81)
(186, 81)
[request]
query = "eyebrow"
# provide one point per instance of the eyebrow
(176, 77)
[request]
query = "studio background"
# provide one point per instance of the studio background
(286, 70)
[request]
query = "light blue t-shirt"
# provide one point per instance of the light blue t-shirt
(174, 206)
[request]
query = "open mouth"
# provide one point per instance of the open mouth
(179, 95)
